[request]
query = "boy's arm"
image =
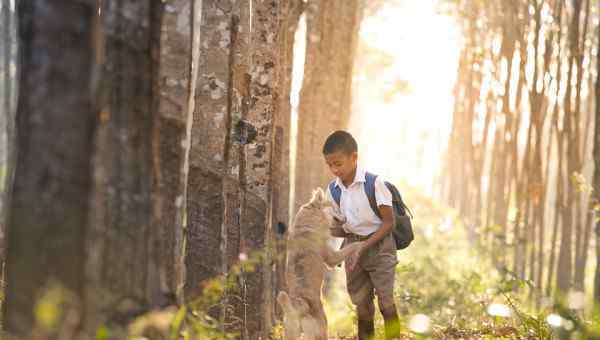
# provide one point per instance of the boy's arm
(383, 197)
(388, 220)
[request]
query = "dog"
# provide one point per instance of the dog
(309, 257)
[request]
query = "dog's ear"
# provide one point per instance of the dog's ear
(318, 198)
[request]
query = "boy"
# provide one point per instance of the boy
(371, 270)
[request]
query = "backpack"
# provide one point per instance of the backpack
(402, 231)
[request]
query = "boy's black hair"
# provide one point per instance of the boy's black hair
(340, 141)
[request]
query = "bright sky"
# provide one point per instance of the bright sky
(405, 139)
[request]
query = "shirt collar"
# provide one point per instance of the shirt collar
(358, 178)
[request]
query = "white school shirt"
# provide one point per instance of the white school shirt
(354, 208)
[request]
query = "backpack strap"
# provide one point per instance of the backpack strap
(370, 191)
(336, 192)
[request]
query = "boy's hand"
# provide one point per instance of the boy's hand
(352, 260)
(336, 222)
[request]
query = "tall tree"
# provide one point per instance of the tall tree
(103, 145)
(53, 180)
(8, 103)
(240, 124)
(527, 189)
(207, 154)
(122, 263)
(177, 59)
(565, 259)
(331, 39)
(282, 135)
(596, 180)
(556, 133)
(579, 140)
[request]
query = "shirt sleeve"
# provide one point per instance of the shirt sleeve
(383, 196)
(337, 212)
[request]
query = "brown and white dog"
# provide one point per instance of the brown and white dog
(309, 256)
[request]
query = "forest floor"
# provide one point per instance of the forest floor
(446, 288)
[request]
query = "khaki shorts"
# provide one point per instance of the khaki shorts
(374, 275)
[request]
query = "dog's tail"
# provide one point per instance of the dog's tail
(284, 301)
(289, 306)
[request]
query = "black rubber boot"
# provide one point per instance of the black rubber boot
(366, 330)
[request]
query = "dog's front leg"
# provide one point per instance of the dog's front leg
(334, 257)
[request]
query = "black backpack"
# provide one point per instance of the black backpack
(402, 231)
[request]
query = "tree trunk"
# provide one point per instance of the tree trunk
(596, 179)
(124, 264)
(501, 199)
(281, 152)
(332, 34)
(5, 88)
(580, 250)
(517, 174)
(205, 204)
(53, 180)
(256, 212)
(178, 57)
(451, 185)
(537, 181)
(103, 200)
(232, 232)
(556, 206)
(565, 259)
(8, 107)
(238, 144)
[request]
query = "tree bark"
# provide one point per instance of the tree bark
(5, 87)
(565, 259)
(580, 250)
(596, 177)
(207, 156)
(8, 108)
(53, 181)
(123, 260)
(177, 51)
(502, 149)
(556, 206)
(280, 172)
(265, 69)
(238, 144)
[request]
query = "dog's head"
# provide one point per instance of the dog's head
(318, 199)
(316, 213)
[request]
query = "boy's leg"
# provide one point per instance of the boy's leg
(361, 293)
(366, 324)
(391, 322)
(366, 330)
(383, 277)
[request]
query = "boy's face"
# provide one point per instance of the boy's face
(341, 164)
